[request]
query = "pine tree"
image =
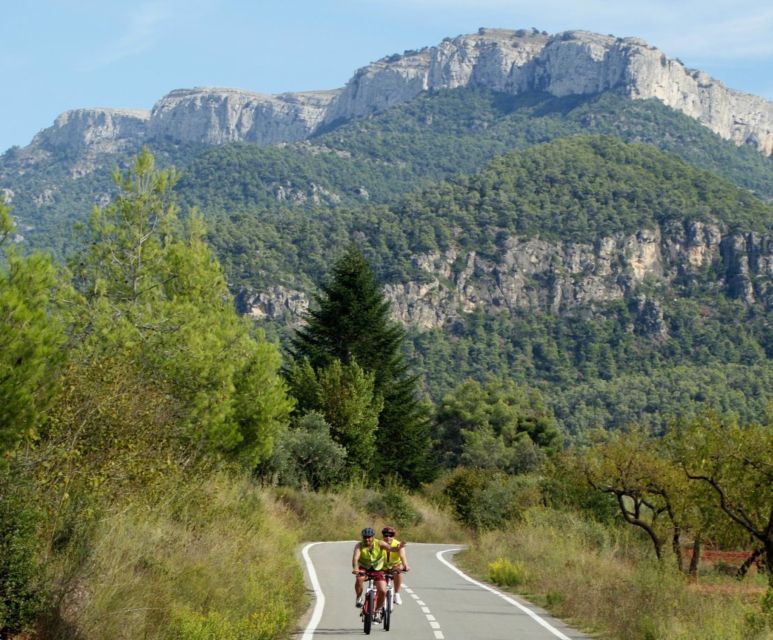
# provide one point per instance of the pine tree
(351, 323)
(31, 335)
(155, 295)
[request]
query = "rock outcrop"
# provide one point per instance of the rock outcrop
(217, 116)
(573, 62)
(561, 276)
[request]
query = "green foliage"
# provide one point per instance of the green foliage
(306, 455)
(392, 505)
(31, 335)
(153, 292)
(498, 426)
(735, 464)
(351, 328)
(344, 395)
(21, 595)
(510, 574)
(485, 500)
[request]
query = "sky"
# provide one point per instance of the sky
(57, 55)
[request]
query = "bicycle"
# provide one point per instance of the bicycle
(367, 612)
(386, 615)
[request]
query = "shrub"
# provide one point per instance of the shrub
(506, 573)
(393, 506)
(20, 599)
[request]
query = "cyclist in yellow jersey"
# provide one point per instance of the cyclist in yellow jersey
(370, 555)
(395, 559)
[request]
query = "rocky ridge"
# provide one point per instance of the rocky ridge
(530, 273)
(573, 62)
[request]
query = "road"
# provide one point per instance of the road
(439, 601)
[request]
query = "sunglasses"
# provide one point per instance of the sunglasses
(388, 535)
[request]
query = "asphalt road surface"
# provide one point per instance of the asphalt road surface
(439, 601)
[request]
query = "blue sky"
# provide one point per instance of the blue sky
(63, 54)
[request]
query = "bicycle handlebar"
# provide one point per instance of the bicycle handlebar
(391, 572)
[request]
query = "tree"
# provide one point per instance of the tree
(650, 491)
(154, 296)
(306, 455)
(344, 395)
(31, 334)
(351, 323)
(20, 597)
(497, 425)
(737, 464)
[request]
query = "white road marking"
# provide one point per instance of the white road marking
(508, 599)
(319, 605)
(439, 635)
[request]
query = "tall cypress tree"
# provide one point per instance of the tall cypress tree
(351, 322)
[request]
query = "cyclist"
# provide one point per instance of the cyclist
(369, 555)
(395, 558)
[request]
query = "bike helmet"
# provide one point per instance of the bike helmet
(388, 531)
(368, 532)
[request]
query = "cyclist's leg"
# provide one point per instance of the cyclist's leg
(381, 589)
(398, 578)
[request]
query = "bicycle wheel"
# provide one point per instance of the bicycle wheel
(388, 610)
(367, 619)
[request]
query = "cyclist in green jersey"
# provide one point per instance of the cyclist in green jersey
(370, 555)
(395, 559)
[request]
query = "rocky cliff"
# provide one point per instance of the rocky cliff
(558, 277)
(574, 62)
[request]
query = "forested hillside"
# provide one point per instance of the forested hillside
(160, 459)
(373, 160)
(685, 336)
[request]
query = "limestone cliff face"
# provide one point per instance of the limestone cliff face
(569, 63)
(87, 134)
(102, 130)
(559, 276)
(573, 62)
(217, 116)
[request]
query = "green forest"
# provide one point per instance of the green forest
(163, 454)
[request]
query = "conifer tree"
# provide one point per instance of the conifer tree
(351, 323)
(30, 337)
(154, 294)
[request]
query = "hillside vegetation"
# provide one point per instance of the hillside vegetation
(162, 456)
(375, 160)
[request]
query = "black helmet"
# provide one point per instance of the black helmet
(388, 531)
(368, 532)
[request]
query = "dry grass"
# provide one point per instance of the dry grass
(210, 560)
(604, 581)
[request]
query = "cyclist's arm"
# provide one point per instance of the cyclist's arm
(404, 558)
(356, 558)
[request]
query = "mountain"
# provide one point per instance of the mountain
(511, 62)
(625, 274)
(605, 274)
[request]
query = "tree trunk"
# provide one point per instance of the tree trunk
(676, 545)
(744, 568)
(695, 560)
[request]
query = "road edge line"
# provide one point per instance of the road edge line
(319, 597)
(506, 598)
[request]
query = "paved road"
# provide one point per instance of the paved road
(439, 602)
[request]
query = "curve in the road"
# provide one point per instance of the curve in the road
(539, 620)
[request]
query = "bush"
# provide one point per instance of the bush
(393, 506)
(507, 574)
(20, 598)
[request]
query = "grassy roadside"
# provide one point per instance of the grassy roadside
(214, 556)
(199, 559)
(604, 581)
